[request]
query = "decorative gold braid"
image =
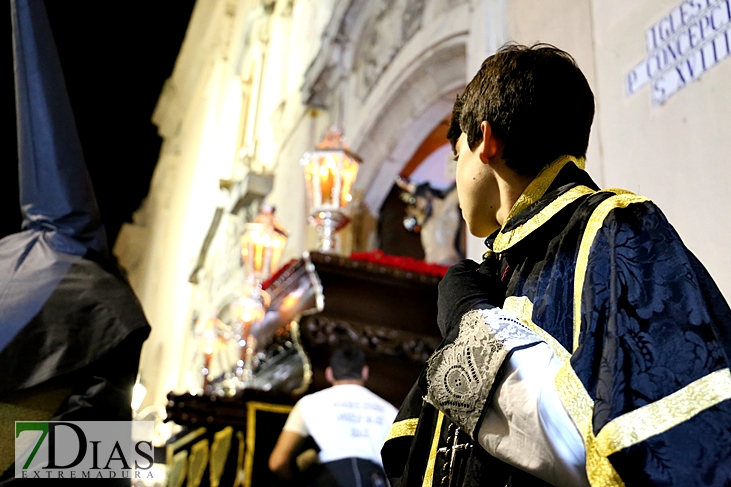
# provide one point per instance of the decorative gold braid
(573, 395)
(576, 399)
(505, 240)
(406, 427)
(252, 408)
(657, 417)
(538, 187)
(596, 221)
(522, 308)
(580, 406)
(429, 472)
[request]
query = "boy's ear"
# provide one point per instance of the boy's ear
(489, 147)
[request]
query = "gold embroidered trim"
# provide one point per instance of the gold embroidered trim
(252, 408)
(659, 416)
(429, 472)
(407, 427)
(522, 308)
(505, 240)
(580, 406)
(538, 187)
(592, 228)
(574, 397)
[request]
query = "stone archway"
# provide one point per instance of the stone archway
(413, 93)
(405, 118)
(389, 94)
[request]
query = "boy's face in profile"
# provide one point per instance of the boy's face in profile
(476, 188)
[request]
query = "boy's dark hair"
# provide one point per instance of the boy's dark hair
(347, 363)
(536, 100)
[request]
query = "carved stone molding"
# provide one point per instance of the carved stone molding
(395, 23)
(326, 68)
(391, 24)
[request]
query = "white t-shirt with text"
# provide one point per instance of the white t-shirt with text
(345, 420)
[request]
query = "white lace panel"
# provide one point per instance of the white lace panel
(461, 375)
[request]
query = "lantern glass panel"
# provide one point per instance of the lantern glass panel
(261, 249)
(329, 178)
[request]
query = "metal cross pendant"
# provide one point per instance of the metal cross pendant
(451, 450)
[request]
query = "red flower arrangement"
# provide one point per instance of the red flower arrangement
(404, 263)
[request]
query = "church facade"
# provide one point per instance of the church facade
(258, 82)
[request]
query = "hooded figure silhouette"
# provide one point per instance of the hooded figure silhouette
(71, 329)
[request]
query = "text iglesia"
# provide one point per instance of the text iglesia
(687, 42)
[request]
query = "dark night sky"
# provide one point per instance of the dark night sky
(115, 57)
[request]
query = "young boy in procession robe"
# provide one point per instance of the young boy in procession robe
(590, 346)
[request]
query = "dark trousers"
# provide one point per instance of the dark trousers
(350, 472)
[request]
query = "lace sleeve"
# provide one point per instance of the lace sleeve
(461, 375)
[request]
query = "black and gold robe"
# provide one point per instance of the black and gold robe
(641, 328)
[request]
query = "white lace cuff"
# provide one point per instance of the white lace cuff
(461, 375)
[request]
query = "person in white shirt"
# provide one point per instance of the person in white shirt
(348, 422)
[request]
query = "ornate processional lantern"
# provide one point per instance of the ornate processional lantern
(330, 172)
(262, 245)
(211, 335)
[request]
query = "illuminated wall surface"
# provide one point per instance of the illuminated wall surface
(257, 84)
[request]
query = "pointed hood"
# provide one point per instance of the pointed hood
(56, 194)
